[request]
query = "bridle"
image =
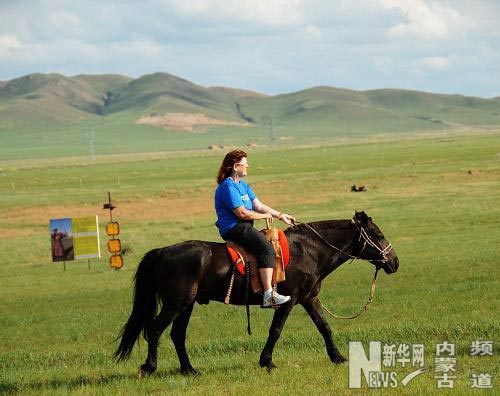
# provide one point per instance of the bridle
(368, 241)
(363, 235)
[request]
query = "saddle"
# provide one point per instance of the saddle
(242, 259)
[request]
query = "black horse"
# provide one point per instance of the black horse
(197, 271)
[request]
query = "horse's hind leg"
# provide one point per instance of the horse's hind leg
(178, 335)
(153, 334)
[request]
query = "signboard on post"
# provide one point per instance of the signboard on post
(86, 237)
(75, 238)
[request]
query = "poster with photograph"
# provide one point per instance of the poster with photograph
(61, 238)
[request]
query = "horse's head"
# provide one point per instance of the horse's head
(373, 246)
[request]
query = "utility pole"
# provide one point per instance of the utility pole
(273, 133)
(268, 121)
(91, 138)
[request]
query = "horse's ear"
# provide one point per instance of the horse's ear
(361, 217)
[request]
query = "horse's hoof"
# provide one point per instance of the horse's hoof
(339, 359)
(269, 365)
(190, 371)
(145, 371)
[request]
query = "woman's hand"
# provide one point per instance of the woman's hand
(267, 215)
(286, 218)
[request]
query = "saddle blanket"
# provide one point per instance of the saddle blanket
(240, 265)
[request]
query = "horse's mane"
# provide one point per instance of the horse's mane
(318, 226)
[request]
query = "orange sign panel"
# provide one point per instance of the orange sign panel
(113, 228)
(116, 261)
(114, 246)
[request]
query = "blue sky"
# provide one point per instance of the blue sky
(270, 46)
(62, 225)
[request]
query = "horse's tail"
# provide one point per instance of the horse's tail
(144, 306)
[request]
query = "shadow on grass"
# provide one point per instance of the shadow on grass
(208, 370)
(75, 383)
(70, 384)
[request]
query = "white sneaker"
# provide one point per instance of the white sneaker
(273, 299)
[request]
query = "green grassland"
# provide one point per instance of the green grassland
(435, 198)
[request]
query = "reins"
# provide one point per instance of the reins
(365, 307)
(325, 241)
(366, 240)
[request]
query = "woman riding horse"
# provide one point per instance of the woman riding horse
(237, 207)
(179, 275)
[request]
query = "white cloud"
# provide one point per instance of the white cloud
(272, 12)
(62, 20)
(434, 21)
(313, 32)
(8, 41)
(8, 44)
(435, 62)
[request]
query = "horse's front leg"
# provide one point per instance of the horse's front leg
(313, 308)
(279, 319)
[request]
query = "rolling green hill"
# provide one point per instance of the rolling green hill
(50, 114)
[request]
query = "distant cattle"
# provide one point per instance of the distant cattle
(354, 188)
